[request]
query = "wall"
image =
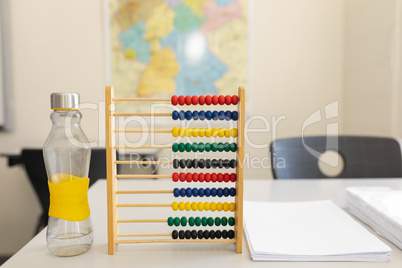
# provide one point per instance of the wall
(296, 69)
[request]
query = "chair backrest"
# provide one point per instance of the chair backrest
(364, 157)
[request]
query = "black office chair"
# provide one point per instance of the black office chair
(364, 157)
(35, 168)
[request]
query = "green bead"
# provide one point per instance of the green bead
(210, 221)
(175, 147)
(227, 146)
(201, 147)
(224, 221)
(177, 221)
(183, 221)
(233, 147)
(182, 147)
(170, 221)
(220, 147)
(231, 221)
(198, 221)
(188, 147)
(194, 147)
(191, 221)
(214, 147)
(207, 147)
(204, 221)
(217, 221)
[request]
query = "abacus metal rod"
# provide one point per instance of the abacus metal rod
(146, 192)
(144, 162)
(142, 205)
(142, 114)
(176, 241)
(141, 99)
(144, 234)
(142, 131)
(142, 176)
(144, 147)
(142, 220)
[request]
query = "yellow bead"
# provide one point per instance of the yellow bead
(208, 132)
(232, 206)
(234, 132)
(182, 132)
(221, 132)
(213, 206)
(200, 206)
(201, 132)
(195, 132)
(214, 132)
(219, 206)
(188, 206)
(182, 206)
(225, 206)
(206, 205)
(194, 206)
(188, 132)
(175, 132)
(175, 206)
(227, 132)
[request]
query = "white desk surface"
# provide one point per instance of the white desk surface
(35, 253)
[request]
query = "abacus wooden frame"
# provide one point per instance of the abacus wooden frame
(112, 176)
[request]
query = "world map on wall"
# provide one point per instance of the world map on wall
(183, 47)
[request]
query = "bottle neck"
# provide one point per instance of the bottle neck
(66, 118)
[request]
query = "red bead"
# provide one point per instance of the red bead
(208, 99)
(235, 99)
(174, 100)
(228, 100)
(214, 178)
(221, 100)
(181, 100)
(195, 177)
(207, 177)
(175, 176)
(215, 100)
(189, 177)
(188, 100)
(182, 176)
(226, 177)
(201, 177)
(194, 100)
(220, 177)
(201, 100)
(233, 177)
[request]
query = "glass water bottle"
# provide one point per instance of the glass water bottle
(67, 155)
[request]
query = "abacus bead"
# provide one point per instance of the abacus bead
(217, 221)
(175, 234)
(183, 221)
(208, 115)
(181, 100)
(182, 147)
(221, 100)
(189, 192)
(194, 100)
(207, 147)
(188, 147)
(175, 176)
(175, 163)
(205, 234)
(201, 192)
(191, 221)
(195, 163)
(213, 192)
(188, 132)
(225, 163)
(225, 191)
(195, 115)
(188, 206)
(213, 206)
(212, 234)
(232, 191)
(207, 192)
(221, 115)
(201, 163)
(231, 221)
(235, 99)
(228, 115)
(174, 100)
(182, 163)
(189, 115)
(175, 147)
(233, 177)
(182, 206)
(194, 206)
(227, 146)
(201, 100)
(224, 234)
(201, 115)
(210, 221)
(188, 100)
(176, 192)
(215, 100)
(194, 147)
(195, 191)
(194, 132)
(214, 147)
(204, 221)
(175, 132)
(197, 221)
(175, 115)
(194, 234)
(208, 99)
(182, 192)
(219, 206)
(208, 163)
(228, 99)
(207, 206)
(218, 234)
(231, 234)
(176, 221)
(221, 132)
(215, 115)
(182, 115)
(201, 177)
(219, 192)
(200, 234)
(170, 221)
(224, 221)
(201, 132)
(233, 163)
(182, 132)
(214, 177)
(225, 206)
(200, 206)
(187, 234)
(181, 234)
(175, 206)
(235, 115)
(227, 132)
(232, 207)
(189, 163)
(208, 132)
(234, 132)
(233, 147)
(182, 176)
(201, 147)
(220, 147)
(207, 177)
(195, 178)
(226, 177)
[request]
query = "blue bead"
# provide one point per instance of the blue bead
(202, 115)
(176, 192)
(226, 191)
(208, 115)
(213, 192)
(235, 115)
(221, 115)
(201, 192)
(195, 115)
(207, 192)
(195, 192)
(219, 192)
(228, 115)
(175, 115)
(232, 191)
(215, 115)
(189, 193)
(189, 115)
(182, 115)
(182, 192)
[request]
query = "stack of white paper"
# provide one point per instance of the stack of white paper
(308, 231)
(380, 208)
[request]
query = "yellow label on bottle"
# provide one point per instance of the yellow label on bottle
(69, 197)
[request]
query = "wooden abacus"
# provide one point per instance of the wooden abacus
(232, 236)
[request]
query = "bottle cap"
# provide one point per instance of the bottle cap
(64, 100)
